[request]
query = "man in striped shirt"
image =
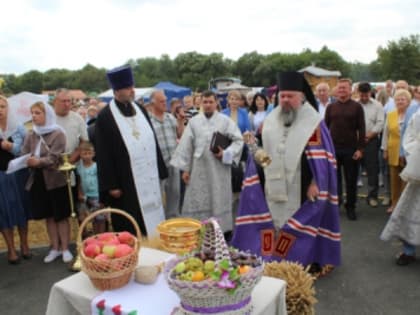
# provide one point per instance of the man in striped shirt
(168, 130)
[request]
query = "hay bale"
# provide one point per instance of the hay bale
(300, 291)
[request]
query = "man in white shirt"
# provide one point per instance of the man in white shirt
(374, 121)
(72, 123)
(322, 91)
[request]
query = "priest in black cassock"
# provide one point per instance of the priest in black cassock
(129, 160)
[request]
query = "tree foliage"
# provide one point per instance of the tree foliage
(398, 60)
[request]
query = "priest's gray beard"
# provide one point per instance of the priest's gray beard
(288, 116)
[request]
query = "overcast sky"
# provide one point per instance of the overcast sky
(45, 34)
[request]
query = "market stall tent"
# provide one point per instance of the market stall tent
(172, 90)
(139, 92)
(20, 105)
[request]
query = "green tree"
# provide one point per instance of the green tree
(401, 59)
(146, 71)
(56, 78)
(89, 79)
(195, 70)
(331, 60)
(245, 66)
(361, 72)
(31, 81)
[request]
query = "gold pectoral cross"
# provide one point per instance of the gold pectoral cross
(136, 134)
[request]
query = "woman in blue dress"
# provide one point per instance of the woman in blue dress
(14, 201)
(237, 113)
(240, 116)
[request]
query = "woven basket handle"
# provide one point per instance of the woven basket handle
(104, 211)
(214, 241)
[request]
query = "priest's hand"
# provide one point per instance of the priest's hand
(33, 162)
(219, 154)
(115, 193)
(249, 138)
(312, 192)
(186, 177)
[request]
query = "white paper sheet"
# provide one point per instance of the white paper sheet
(18, 163)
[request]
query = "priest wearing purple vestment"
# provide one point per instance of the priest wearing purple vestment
(300, 184)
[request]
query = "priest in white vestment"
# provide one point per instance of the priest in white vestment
(300, 185)
(208, 175)
(129, 160)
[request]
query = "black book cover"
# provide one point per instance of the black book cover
(219, 140)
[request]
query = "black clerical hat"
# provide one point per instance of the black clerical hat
(295, 81)
(120, 78)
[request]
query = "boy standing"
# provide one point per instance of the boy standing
(88, 189)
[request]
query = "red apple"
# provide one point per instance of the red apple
(109, 250)
(101, 257)
(123, 250)
(112, 241)
(92, 250)
(106, 237)
(126, 238)
(90, 240)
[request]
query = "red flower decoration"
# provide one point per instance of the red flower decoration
(101, 304)
(117, 309)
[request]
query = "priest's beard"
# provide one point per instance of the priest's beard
(288, 116)
(208, 114)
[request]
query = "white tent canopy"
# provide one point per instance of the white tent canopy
(139, 92)
(235, 86)
(20, 105)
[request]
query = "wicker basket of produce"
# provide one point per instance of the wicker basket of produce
(109, 259)
(214, 279)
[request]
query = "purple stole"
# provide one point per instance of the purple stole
(312, 234)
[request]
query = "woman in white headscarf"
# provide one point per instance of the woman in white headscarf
(404, 223)
(47, 185)
(14, 205)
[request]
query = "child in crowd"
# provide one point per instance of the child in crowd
(88, 188)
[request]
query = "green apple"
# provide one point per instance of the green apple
(209, 266)
(180, 267)
(109, 250)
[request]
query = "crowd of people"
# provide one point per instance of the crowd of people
(153, 161)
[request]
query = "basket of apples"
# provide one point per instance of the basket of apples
(214, 279)
(109, 259)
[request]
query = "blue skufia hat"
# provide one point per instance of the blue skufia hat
(120, 78)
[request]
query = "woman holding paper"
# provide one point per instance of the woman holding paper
(46, 184)
(14, 210)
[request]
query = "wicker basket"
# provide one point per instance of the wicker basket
(114, 273)
(205, 297)
(179, 235)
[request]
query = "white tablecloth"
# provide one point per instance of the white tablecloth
(73, 295)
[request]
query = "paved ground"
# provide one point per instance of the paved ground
(368, 282)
